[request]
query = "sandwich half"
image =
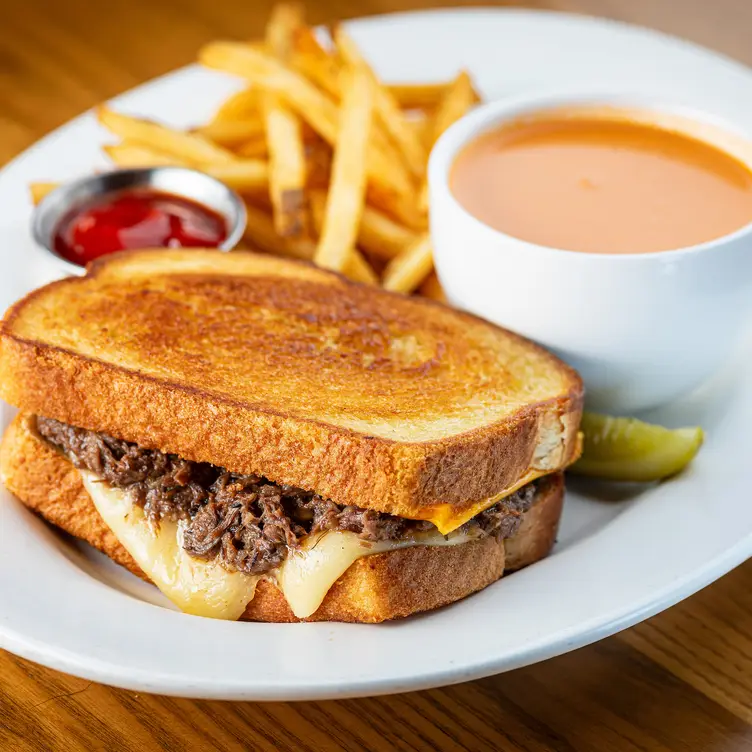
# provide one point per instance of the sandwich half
(265, 440)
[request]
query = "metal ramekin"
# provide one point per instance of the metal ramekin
(179, 181)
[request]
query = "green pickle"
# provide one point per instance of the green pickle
(626, 449)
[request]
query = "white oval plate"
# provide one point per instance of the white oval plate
(616, 563)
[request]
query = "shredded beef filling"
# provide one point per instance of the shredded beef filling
(247, 521)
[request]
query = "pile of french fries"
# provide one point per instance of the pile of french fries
(330, 161)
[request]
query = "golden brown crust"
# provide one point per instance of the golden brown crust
(192, 411)
(540, 524)
(50, 485)
(394, 585)
(375, 588)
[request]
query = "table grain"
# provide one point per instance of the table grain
(680, 681)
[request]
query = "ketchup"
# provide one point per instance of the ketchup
(136, 219)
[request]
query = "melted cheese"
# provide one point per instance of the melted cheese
(448, 517)
(306, 575)
(198, 587)
(205, 588)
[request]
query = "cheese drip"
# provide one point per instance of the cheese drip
(205, 588)
(196, 586)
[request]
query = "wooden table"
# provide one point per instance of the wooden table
(681, 681)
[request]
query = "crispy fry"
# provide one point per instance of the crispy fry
(285, 19)
(287, 164)
(261, 200)
(313, 105)
(317, 205)
(232, 133)
(39, 191)
(375, 228)
(421, 96)
(268, 74)
(431, 288)
(404, 208)
(358, 269)
(457, 100)
(283, 132)
(323, 71)
(406, 271)
(314, 62)
(419, 125)
(387, 109)
(357, 266)
(344, 204)
(130, 154)
(240, 106)
(378, 234)
(423, 198)
(260, 234)
(319, 164)
(255, 148)
(178, 143)
(305, 40)
(381, 236)
(242, 174)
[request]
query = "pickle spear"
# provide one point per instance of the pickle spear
(627, 449)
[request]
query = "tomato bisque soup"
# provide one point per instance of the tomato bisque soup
(602, 184)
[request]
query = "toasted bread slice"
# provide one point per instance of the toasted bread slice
(269, 366)
(375, 588)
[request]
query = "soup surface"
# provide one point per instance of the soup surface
(601, 185)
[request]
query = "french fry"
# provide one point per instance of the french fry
(421, 96)
(260, 234)
(39, 191)
(431, 288)
(423, 198)
(457, 100)
(305, 41)
(130, 154)
(419, 126)
(344, 205)
(285, 19)
(317, 205)
(387, 109)
(378, 234)
(183, 145)
(313, 105)
(261, 200)
(270, 75)
(358, 269)
(255, 148)
(240, 106)
(318, 164)
(287, 164)
(232, 133)
(406, 271)
(418, 96)
(323, 71)
(314, 62)
(381, 236)
(357, 266)
(406, 209)
(283, 132)
(242, 174)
